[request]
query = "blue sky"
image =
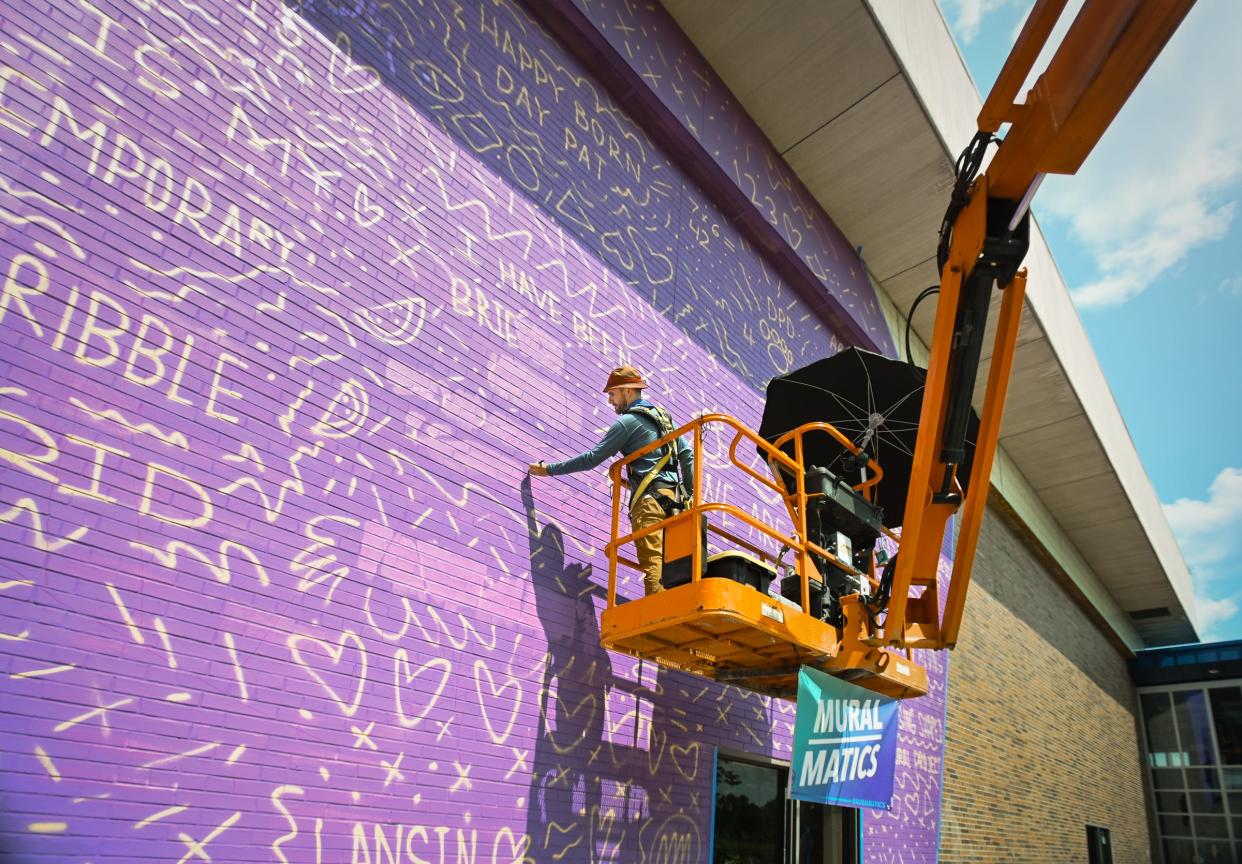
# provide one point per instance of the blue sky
(1148, 238)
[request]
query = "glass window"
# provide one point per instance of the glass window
(1099, 845)
(1171, 802)
(1202, 778)
(1194, 726)
(1175, 824)
(1207, 802)
(1178, 851)
(1215, 852)
(1168, 778)
(1162, 749)
(1227, 717)
(1211, 826)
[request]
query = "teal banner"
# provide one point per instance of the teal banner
(845, 743)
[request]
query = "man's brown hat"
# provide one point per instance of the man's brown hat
(624, 376)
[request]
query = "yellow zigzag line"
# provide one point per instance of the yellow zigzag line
(487, 213)
(53, 226)
(295, 484)
(175, 438)
(235, 278)
(28, 505)
(223, 573)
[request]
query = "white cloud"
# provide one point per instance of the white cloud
(1232, 285)
(1209, 531)
(1166, 178)
(1213, 614)
(969, 14)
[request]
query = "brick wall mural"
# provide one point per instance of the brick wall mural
(284, 318)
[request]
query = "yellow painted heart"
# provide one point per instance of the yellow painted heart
(565, 721)
(481, 672)
(401, 675)
(334, 653)
(518, 847)
(680, 755)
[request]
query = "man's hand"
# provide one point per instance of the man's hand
(537, 469)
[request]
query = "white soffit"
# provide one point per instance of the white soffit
(870, 102)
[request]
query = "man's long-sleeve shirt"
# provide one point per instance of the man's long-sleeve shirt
(632, 432)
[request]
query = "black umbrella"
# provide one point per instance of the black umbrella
(871, 399)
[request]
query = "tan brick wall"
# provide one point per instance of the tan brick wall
(1041, 733)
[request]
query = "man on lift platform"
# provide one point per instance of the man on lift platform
(657, 480)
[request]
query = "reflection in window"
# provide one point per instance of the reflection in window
(1194, 726)
(1227, 714)
(1162, 749)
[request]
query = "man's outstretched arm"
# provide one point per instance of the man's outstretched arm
(609, 445)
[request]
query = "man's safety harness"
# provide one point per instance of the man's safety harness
(664, 426)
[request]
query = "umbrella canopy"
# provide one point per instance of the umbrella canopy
(871, 399)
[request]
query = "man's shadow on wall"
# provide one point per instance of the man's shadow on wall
(590, 785)
(565, 786)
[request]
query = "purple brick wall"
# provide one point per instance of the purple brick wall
(283, 322)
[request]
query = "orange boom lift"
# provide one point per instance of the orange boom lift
(718, 619)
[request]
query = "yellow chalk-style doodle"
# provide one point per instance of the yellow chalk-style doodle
(38, 196)
(198, 848)
(562, 832)
(403, 676)
(392, 769)
(194, 751)
(335, 653)
(467, 629)
(488, 702)
(344, 75)
(176, 439)
(46, 762)
(293, 483)
(396, 323)
(41, 540)
(47, 827)
(49, 224)
(463, 778)
(363, 736)
(581, 715)
(278, 793)
(101, 712)
(346, 413)
(221, 567)
(237, 668)
(39, 673)
(312, 565)
(161, 814)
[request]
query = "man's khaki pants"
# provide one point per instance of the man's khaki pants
(650, 549)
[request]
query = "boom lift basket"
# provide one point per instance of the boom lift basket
(717, 617)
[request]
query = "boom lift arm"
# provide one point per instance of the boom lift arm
(1106, 51)
(831, 596)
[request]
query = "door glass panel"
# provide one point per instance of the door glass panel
(750, 813)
